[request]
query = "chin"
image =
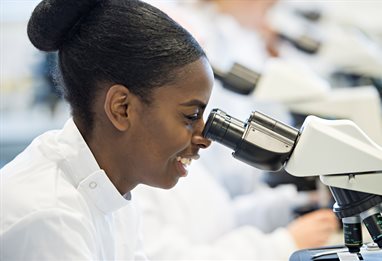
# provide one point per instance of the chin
(169, 184)
(166, 180)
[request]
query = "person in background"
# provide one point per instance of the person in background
(46, 92)
(198, 220)
(250, 15)
(137, 83)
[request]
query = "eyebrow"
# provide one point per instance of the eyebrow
(195, 102)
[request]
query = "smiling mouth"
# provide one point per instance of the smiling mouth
(184, 162)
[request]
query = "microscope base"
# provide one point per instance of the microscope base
(369, 252)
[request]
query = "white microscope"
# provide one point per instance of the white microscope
(346, 38)
(338, 151)
(305, 93)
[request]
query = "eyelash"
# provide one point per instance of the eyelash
(193, 117)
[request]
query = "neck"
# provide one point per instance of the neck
(105, 144)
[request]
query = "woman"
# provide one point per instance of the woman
(137, 84)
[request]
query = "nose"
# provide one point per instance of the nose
(199, 140)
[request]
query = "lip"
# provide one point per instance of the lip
(193, 156)
(182, 170)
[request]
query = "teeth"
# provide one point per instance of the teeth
(184, 161)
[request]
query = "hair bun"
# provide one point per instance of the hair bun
(51, 20)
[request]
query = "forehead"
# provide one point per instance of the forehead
(193, 83)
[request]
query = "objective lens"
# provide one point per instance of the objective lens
(352, 233)
(224, 129)
(373, 221)
(351, 203)
(373, 224)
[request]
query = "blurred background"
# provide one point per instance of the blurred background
(30, 102)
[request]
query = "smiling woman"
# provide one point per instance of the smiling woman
(137, 84)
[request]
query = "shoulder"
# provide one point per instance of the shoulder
(33, 184)
(49, 234)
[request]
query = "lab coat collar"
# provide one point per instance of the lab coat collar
(79, 163)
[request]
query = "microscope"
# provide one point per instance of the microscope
(338, 151)
(306, 93)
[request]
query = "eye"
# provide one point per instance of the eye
(193, 117)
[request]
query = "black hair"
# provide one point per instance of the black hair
(100, 42)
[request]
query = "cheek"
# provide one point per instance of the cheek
(164, 138)
(172, 141)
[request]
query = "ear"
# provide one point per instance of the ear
(116, 106)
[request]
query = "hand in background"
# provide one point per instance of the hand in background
(313, 229)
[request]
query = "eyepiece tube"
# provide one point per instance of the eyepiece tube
(224, 129)
(239, 78)
(265, 144)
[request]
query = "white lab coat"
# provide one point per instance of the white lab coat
(224, 40)
(196, 220)
(57, 204)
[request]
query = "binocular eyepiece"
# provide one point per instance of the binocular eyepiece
(260, 141)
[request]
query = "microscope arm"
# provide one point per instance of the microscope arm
(340, 153)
